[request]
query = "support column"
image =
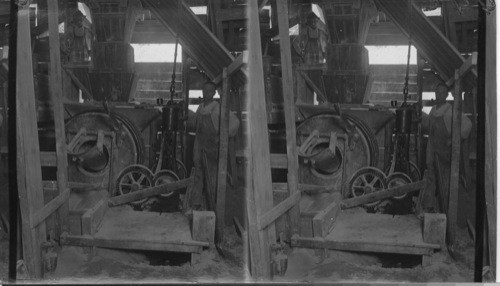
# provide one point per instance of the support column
(454, 184)
(29, 173)
(259, 191)
(56, 96)
(289, 109)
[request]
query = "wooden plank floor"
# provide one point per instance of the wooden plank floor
(123, 228)
(373, 233)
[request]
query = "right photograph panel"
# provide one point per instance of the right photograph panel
(368, 156)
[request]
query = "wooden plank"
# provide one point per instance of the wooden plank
(279, 210)
(134, 7)
(259, 194)
(231, 14)
(469, 64)
(48, 159)
(488, 120)
(56, 97)
(121, 223)
(40, 215)
(321, 243)
(29, 175)
(223, 154)
(79, 84)
(279, 161)
(91, 219)
(235, 66)
(149, 192)
(316, 89)
(434, 230)
(396, 191)
(89, 241)
(289, 109)
(204, 226)
(454, 185)
(325, 219)
(303, 188)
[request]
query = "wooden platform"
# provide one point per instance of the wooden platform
(123, 228)
(372, 233)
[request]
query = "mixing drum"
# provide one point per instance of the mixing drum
(354, 150)
(94, 168)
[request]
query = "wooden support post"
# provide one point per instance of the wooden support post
(454, 184)
(289, 109)
(29, 173)
(55, 89)
(133, 8)
(185, 92)
(259, 193)
(223, 149)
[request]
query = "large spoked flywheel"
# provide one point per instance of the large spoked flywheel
(128, 147)
(356, 148)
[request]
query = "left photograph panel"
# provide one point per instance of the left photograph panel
(128, 119)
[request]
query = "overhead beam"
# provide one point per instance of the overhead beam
(201, 44)
(469, 64)
(426, 37)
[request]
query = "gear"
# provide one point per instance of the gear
(398, 179)
(365, 181)
(165, 177)
(132, 179)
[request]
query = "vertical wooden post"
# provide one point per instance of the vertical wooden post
(55, 90)
(289, 109)
(185, 92)
(259, 193)
(130, 19)
(490, 149)
(454, 184)
(223, 149)
(29, 173)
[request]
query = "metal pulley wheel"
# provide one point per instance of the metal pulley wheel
(366, 181)
(132, 179)
(398, 179)
(414, 172)
(181, 171)
(165, 177)
(128, 148)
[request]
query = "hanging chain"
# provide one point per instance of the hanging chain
(172, 83)
(407, 78)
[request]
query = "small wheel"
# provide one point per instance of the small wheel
(132, 179)
(398, 179)
(165, 177)
(414, 172)
(365, 181)
(181, 169)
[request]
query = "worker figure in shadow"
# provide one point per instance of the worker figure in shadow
(78, 38)
(438, 157)
(312, 40)
(206, 149)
